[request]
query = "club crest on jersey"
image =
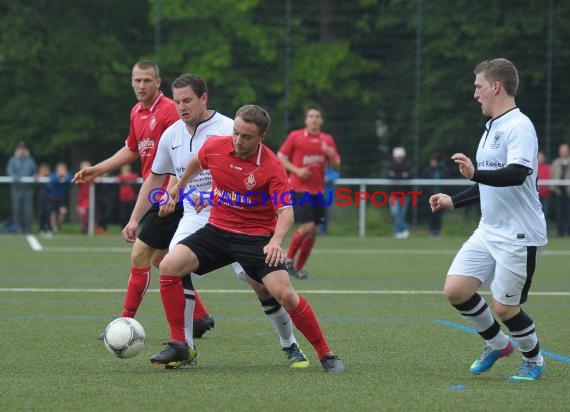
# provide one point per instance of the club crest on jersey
(249, 181)
(152, 123)
(497, 140)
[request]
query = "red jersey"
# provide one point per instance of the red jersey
(246, 192)
(543, 173)
(83, 195)
(126, 189)
(146, 128)
(304, 149)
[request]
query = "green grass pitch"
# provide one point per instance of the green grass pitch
(378, 300)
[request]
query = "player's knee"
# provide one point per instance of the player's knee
(454, 294)
(505, 312)
(287, 297)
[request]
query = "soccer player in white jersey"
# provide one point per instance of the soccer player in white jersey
(504, 249)
(178, 144)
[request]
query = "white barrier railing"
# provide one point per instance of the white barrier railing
(362, 184)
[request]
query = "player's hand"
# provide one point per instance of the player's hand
(303, 172)
(440, 201)
(85, 175)
(329, 150)
(465, 164)
(200, 203)
(174, 192)
(130, 232)
(274, 254)
(167, 205)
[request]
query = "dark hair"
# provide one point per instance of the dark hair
(148, 64)
(197, 84)
(502, 71)
(317, 108)
(252, 113)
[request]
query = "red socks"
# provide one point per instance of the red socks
(138, 284)
(306, 247)
(295, 244)
(200, 310)
(305, 320)
(174, 303)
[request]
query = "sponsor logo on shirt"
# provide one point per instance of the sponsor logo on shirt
(487, 163)
(145, 145)
(313, 159)
(249, 181)
(497, 140)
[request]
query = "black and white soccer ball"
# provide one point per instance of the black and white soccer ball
(124, 337)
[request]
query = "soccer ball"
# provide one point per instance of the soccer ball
(124, 337)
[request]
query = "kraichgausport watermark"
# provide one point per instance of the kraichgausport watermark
(339, 197)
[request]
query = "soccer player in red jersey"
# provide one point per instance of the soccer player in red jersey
(305, 154)
(151, 116)
(250, 216)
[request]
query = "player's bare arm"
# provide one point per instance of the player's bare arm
(141, 206)
(167, 204)
(273, 250)
(465, 164)
(303, 172)
(332, 156)
(122, 157)
(193, 169)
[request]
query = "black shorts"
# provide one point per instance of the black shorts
(157, 232)
(216, 248)
(306, 210)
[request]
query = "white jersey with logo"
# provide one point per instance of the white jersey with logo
(511, 214)
(177, 146)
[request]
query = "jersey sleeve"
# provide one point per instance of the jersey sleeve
(162, 163)
(286, 148)
(131, 141)
(202, 153)
(330, 142)
(522, 146)
(171, 116)
(279, 185)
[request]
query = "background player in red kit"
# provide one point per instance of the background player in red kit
(249, 230)
(305, 154)
(150, 117)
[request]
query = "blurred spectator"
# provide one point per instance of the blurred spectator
(82, 203)
(21, 164)
(399, 170)
(435, 170)
(105, 194)
(560, 170)
(43, 201)
(60, 182)
(328, 196)
(127, 193)
(543, 191)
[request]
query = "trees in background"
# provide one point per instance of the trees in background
(386, 72)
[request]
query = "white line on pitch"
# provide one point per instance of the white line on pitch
(34, 243)
(232, 291)
(379, 251)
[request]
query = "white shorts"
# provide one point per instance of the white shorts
(508, 269)
(189, 224)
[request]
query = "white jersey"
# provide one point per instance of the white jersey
(177, 146)
(511, 214)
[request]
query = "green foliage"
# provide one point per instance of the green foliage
(65, 68)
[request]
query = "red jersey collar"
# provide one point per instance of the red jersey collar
(308, 133)
(153, 105)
